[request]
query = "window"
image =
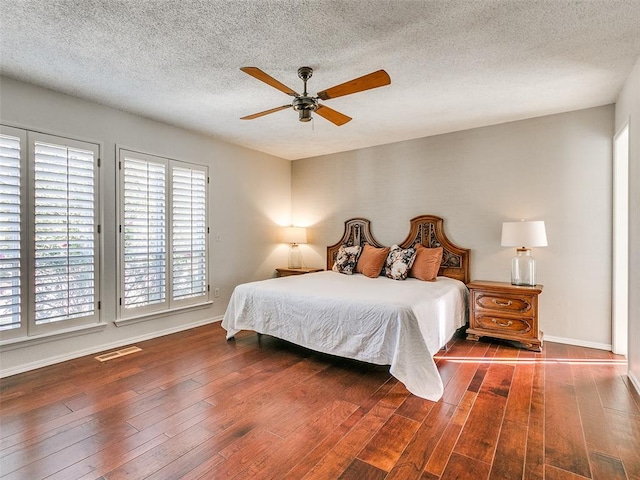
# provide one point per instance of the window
(162, 209)
(11, 228)
(188, 232)
(49, 236)
(144, 232)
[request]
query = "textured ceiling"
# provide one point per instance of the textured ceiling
(453, 64)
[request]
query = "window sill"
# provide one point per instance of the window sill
(13, 343)
(121, 322)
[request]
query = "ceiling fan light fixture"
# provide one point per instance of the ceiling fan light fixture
(305, 115)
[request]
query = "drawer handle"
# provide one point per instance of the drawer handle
(502, 304)
(508, 323)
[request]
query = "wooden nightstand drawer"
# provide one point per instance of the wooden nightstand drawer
(505, 325)
(506, 311)
(519, 304)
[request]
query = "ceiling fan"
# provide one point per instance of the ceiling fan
(305, 104)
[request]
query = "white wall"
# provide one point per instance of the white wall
(249, 196)
(555, 168)
(628, 110)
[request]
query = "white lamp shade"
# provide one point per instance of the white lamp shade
(524, 234)
(294, 235)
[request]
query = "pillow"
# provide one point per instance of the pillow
(399, 262)
(427, 263)
(346, 259)
(372, 260)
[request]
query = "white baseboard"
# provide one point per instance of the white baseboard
(578, 343)
(101, 348)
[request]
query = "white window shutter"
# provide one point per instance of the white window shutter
(164, 234)
(189, 235)
(144, 233)
(65, 224)
(10, 232)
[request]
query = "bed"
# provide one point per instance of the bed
(377, 320)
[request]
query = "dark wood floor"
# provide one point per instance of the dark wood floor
(194, 406)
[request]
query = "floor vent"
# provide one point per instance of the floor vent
(118, 353)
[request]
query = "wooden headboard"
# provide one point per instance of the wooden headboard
(426, 229)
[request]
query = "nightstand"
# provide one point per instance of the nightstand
(502, 310)
(286, 272)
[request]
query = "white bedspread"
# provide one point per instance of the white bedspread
(376, 320)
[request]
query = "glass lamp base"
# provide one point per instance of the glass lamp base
(523, 268)
(295, 256)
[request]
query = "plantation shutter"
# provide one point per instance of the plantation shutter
(10, 232)
(144, 230)
(189, 234)
(64, 232)
(164, 234)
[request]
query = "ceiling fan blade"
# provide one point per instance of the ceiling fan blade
(332, 115)
(366, 82)
(266, 112)
(268, 79)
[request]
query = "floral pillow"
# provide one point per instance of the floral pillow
(399, 262)
(346, 259)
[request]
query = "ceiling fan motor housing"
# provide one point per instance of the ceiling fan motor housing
(304, 106)
(305, 103)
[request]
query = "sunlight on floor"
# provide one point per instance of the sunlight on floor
(571, 361)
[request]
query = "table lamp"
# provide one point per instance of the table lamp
(523, 235)
(295, 236)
